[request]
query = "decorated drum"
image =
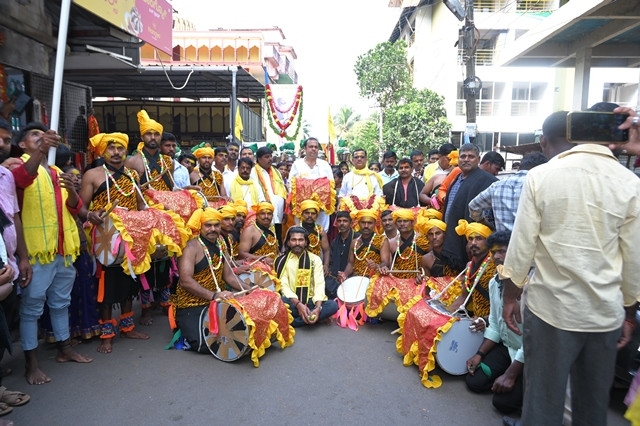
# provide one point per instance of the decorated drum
(258, 278)
(232, 340)
(353, 290)
(108, 247)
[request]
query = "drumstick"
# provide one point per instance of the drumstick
(439, 295)
(402, 271)
(240, 293)
(397, 330)
(113, 206)
(256, 261)
(149, 182)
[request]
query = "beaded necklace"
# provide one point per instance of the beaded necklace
(146, 165)
(213, 180)
(413, 247)
(266, 239)
(210, 262)
(364, 256)
(317, 229)
(115, 183)
(477, 274)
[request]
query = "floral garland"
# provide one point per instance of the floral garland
(276, 125)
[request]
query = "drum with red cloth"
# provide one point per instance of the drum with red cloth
(351, 298)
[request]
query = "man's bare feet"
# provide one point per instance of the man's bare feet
(66, 353)
(36, 376)
(134, 335)
(105, 346)
(146, 318)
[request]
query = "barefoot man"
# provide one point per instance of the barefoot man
(49, 204)
(100, 186)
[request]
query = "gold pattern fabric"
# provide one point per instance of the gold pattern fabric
(321, 190)
(385, 288)
(210, 184)
(360, 267)
(268, 248)
(181, 202)
(160, 184)
(184, 299)
(315, 240)
(101, 199)
(480, 304)
(411, 261)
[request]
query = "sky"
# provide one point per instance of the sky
(327, 36)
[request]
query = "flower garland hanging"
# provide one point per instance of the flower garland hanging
(276, 125)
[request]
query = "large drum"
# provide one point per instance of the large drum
(258, 278)
(353, 290)
(456, 345)
(108, 247)
(232, 340)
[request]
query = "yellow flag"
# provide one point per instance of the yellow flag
(332, 129)
(239, 128)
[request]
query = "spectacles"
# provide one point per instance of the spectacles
(359, 157)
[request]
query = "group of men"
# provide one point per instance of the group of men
(572, 248)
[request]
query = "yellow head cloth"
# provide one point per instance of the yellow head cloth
(201, 216)
(404, 214)
(310, 205)
(430, 214)
(468, 229)
(206, 151)
(263, 206)
(228, 210)
(435, 223)
(100, 141)
(453, 157)
(360, 214)
(241, 207)
(148, 124)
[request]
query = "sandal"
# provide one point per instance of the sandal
(13, 398)
(5, 409)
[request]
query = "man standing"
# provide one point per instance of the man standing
(501, 198)
(102, 186)
(302, 281)
(243, 187)
(471, 181)
(311, 167)
(501, 350)
(272, 186)
(433, 155)
(389, 173)
(404, 190)
(492, 162)
(247, 152)
(361, 182)
(233, 148)
(318, 240)
(151, 165)
(168, 147)
(441, 166)
(417, 159)
(49, 204)
(206, 177)
(339, 253)
(259, 242)
(586, 269)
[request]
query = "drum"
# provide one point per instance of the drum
(232, 341)
(457, 345)
(258, 278)
(107, 245)
(161, 253)
(353, 290)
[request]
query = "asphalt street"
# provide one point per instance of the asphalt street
(329, 376)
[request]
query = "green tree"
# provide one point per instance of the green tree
(306, 129)
(383, 73)
(420, 121)
(344, 120)
(364, 134)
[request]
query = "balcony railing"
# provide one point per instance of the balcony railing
(483, 56)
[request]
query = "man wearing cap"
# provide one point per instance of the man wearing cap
(204, 275)
(302, 282)
(311, 167)
(151, 165)
(243, 187)
(501, 198)
(102, 186)
(364, 253)
(471, 181)
(271, 185)
(318, 240)
(479, 270)
(208, 179)
(404, 253)
(259, 242)
(49, 204)
(404, 190)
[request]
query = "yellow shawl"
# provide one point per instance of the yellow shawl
(368, 173)
(40, 221)
(238, 192)
(277, 184)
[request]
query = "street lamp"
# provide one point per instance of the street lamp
(456, 8)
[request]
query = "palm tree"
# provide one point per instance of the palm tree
(344, 120)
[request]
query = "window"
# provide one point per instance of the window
(526, 97)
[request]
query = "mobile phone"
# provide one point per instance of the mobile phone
(596, 127)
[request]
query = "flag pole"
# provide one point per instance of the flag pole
(59, 73)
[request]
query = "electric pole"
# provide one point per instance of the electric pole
(472, 84)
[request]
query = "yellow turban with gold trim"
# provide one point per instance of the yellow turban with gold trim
(263, 206)
(228, 210)
(453, 158)
(360, 214)
(309, 205)
(241, 207)
(148, 124)
(404, 214)
(201, 216)
(468, 229)
(100, 141)
(435, 223)
(203, 152)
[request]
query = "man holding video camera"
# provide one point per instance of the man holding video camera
(584, 240)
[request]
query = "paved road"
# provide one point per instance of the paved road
(329, 376)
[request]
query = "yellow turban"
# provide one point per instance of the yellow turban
(228, 210)
(430, 214)
(263, 206)
(102, 140)
(309, 205)
(148, 124)
(435, 223)
(453, 158)
(359, 214)
(201, 216)
(405, 214)
(202, 152)
(241, 207)
(468, 229)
